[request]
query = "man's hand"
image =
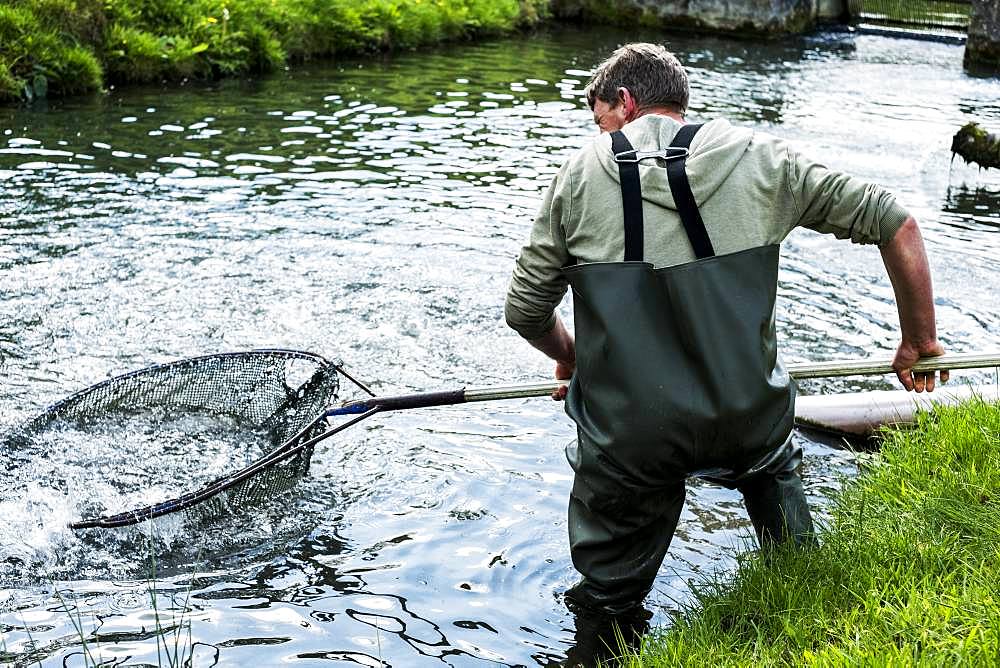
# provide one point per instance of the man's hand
(906, 356)
(564, 371)
(558, 344)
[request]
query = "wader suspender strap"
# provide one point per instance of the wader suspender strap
(680, 188)
(628, 174)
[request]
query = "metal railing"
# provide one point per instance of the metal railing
(918, 14)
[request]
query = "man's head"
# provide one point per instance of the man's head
(637, 79)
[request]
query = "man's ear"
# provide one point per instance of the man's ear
(627, 101)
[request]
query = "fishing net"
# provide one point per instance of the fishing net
(281, 393)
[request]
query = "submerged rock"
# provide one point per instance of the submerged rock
(974, 144)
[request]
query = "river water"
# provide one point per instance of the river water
(370, 210)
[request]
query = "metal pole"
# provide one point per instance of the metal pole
(856, 367)
(513, 391)
(875, 367)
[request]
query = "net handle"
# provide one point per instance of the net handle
(446, 398)
(878, 367)
(855, 367)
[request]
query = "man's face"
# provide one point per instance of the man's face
(609, 118)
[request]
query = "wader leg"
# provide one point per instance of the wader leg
(600, 640)
(618, 536)
(777, 507)
(775, 500)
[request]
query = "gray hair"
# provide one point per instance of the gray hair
(653, 76)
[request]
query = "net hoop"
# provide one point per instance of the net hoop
(252, 386)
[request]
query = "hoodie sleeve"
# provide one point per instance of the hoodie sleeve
(835, 203)
(538, 284)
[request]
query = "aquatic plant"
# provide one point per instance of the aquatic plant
(63, 47)
(906, 573)
(175, 644)
(974, 144)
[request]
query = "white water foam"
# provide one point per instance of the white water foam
(72, 470)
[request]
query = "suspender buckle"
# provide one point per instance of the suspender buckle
(634, 156)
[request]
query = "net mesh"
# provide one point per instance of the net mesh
(280, 392)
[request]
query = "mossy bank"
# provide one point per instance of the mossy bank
(66, 47)
(906, 574)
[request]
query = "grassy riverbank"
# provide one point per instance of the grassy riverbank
(65, 47)
(907, 573)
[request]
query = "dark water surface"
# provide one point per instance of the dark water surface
(371, 211)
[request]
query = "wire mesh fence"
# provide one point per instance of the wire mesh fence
(950, 15)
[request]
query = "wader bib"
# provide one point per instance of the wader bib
(677, 374)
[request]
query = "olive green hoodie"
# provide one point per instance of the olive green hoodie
(752, 189)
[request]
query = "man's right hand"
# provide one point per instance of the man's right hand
(558, 344)
(564, 371)
(907, 355)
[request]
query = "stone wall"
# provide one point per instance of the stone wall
(830, 11)
(754, 17)
(983, 47)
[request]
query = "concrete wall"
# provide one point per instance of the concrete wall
(775, 17)
(831, 10)
(983, 47)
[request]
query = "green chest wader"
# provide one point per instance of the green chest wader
(677, 374)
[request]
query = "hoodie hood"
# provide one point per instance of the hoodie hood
(715, 151)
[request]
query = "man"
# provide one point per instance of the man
(674, 367)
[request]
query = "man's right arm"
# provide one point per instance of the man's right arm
(538, 284)
(906, 263)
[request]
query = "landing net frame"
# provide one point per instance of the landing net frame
(257, 388)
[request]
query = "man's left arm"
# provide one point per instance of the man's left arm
(833, 202)
(906, 263)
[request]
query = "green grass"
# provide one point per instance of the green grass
(907, 572)
(65, 47)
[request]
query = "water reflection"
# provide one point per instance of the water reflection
(371, 211)
(600, 640)
(974, 209)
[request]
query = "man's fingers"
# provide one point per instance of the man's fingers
(932, 383)
(921, 381)
(905, 377)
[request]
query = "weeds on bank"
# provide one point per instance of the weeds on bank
(61, 47)
(906, 573)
